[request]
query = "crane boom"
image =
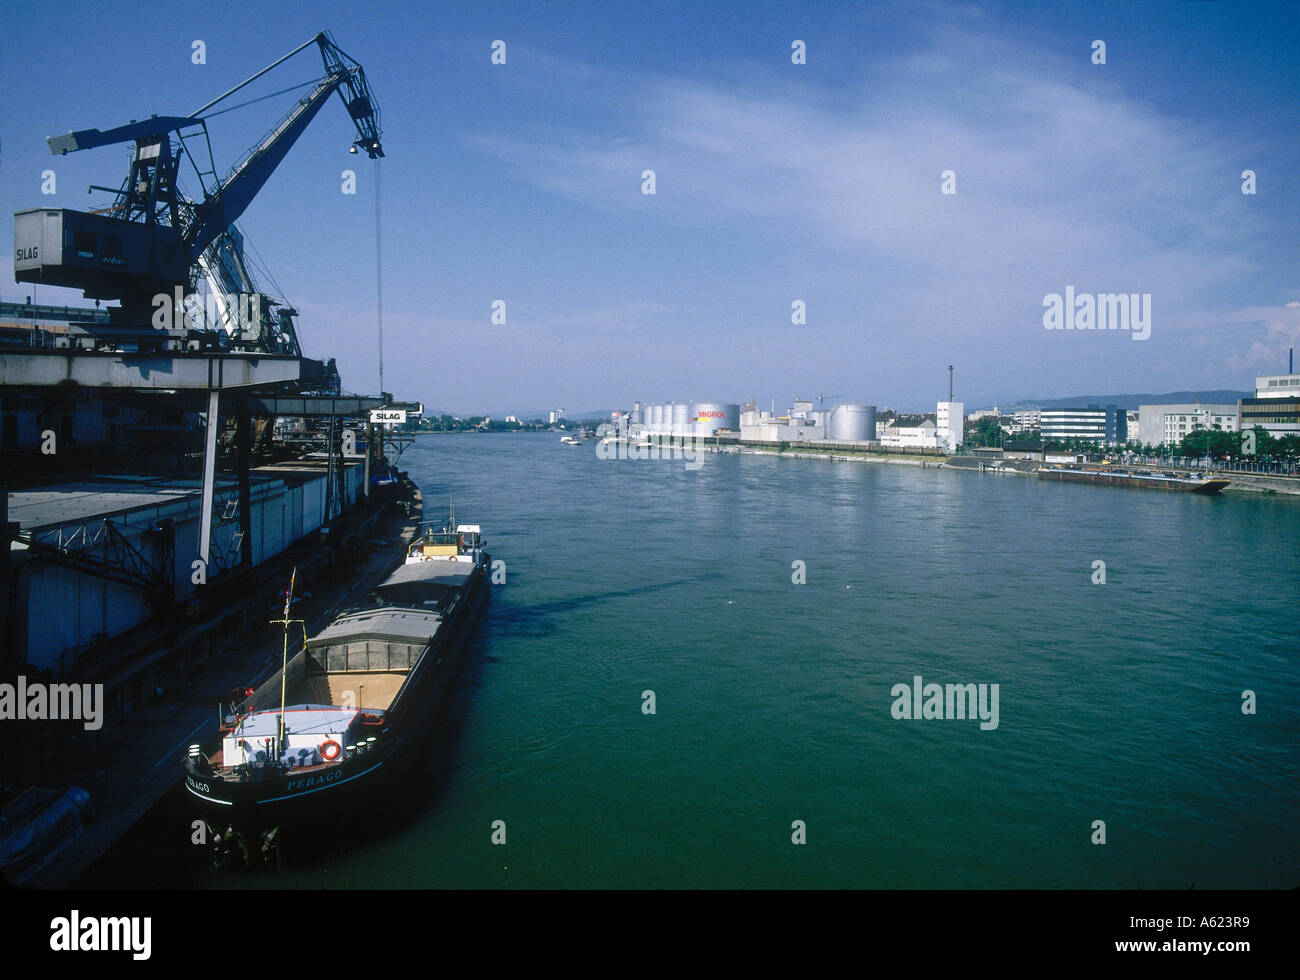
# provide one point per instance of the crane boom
(227, 202)
(223, 207)
(154, 238)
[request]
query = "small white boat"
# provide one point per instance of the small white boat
(570, 441)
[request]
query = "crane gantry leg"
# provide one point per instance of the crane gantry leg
(209, 479)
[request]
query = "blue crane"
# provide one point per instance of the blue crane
(153, 239)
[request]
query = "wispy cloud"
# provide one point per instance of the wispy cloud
(1281, 326)
(1062, 178)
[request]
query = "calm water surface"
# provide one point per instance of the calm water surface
(1118, 702)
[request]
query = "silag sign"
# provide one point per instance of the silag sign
(388, 415)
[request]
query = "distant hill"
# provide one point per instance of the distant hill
(1221, 396)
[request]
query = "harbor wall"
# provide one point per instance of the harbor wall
(1261, 483)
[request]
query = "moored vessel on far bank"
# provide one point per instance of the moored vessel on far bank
(1148, 479)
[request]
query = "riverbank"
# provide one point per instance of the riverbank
(841, 456)
(840, 452)
(1240, 482)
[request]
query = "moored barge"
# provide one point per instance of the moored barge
(1149, 479)
(347, 715)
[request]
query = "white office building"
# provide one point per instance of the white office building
(1169, 424)
(1096, 424)
(1021, 422)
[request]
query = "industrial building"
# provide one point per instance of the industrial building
(950, 424)
(1167, 425)
(847, 422)
(58, 610)
(944, 430)
(1275, 407)
(911, 433)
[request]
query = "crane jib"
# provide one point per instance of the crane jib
(153, 237)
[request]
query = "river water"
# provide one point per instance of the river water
(774, 683)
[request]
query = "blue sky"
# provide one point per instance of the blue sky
(774, 183)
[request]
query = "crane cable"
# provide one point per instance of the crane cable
(261, 98)
(379, 274)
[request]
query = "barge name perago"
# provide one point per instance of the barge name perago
(350, 713)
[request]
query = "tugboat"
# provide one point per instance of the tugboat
(346, 716)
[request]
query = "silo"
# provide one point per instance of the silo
(680, 421)
(710, 416)
(852, 422)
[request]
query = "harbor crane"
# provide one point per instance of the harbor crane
(154, 241)
(153, 245)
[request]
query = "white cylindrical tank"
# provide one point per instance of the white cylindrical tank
(680, 420)
(708, 417)
(852, 422)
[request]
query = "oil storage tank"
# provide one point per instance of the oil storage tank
(710, 416)
(680, 422)
(852, 422)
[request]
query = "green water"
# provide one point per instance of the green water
(1118, 702)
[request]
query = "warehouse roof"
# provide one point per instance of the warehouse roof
(99, 497)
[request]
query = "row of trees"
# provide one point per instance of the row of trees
(986, 432)
(1254, 443)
